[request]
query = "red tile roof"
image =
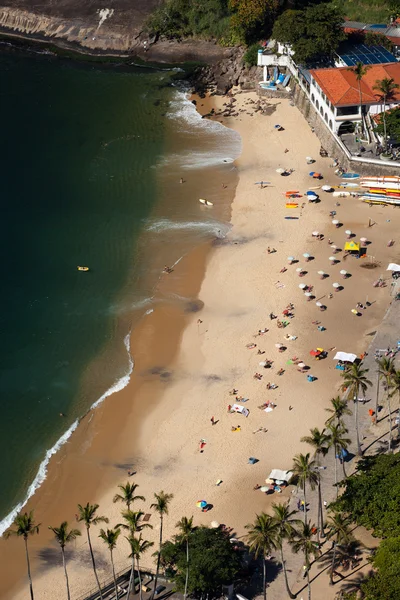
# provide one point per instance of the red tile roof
(341, 87)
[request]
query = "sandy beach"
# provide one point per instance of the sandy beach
(157, 422)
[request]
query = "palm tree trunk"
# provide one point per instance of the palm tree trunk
(390, 425)
(359, 452)
(29, 569)
(65, 572)
(115, 579)
(321, 531)
(344, 470)
(264, 578)
(291, 596)
(187, 568)
(140, 580)
(308, 583)
(333, 564)
(384, 123)
(361, 113)
(337, 489)
(305, 503)
(377, 400)
(158, 558)
(131, 577)
(93, 562)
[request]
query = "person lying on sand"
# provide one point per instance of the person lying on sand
(272, 316)
(257, 486)
(167, 269)
(283, 270)
(257, 376)
(260, 351)
(233, 392)
(237, 428)
(281, 371)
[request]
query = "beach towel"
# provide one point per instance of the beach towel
(268, 409)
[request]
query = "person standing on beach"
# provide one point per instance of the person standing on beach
(212, 421)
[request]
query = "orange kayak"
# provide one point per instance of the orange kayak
(292, 192)
(291, 205)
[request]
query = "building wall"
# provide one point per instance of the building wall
(323, 106)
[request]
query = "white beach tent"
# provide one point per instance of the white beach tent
(393, 267)
(345, 356)
(280, 475)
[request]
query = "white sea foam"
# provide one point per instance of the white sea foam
(42, 471)
(148, 312)
(207, 227)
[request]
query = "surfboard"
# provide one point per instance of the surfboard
(291, 205)
(206, 202)
(292, 193)
(341, 194)
(291, 217)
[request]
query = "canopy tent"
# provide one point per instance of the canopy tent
(280, 475)
(352, 247)
(345, 356)
(241, 409)
(393, 267)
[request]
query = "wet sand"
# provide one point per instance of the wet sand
(156, 423)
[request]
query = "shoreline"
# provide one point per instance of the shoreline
(239, 289)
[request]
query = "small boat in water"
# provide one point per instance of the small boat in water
(205, 202)
(83, 268)
(350, 176)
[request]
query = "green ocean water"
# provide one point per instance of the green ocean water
(89, 157)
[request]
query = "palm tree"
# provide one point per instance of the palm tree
(386, 370)
(110, 538)
(338, 443)
(87, 515)
(285, 531)
(396, 390)
(303, 542)
(127, 494)
(133, 525)
(160, 506)
(319, 440)
(262, 539)
(304, 470)
(354, 380)
(63, 537)
(338, 410)
(25, 527)
(185, 527)
(359, 71)
(385, 88)
(138, 547)
(338, 528)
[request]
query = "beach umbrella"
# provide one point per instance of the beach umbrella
(312, 173)
(363, 240)
(214, 524)
(301, 365)
(269, 481)
(354, 311)
(315, 233)
(313, 197)
(306, 256)
(343, 272)
(319, 304)
(280, 171)
(317, 175)
(302, 286)
(310, 193)
(278, 345)
(290, 259)
(321, 274)
(299, 270)
(201, 503)
(308, 295)
(349, 233)
(334, 248)
(335, 222)
(326, 188)
(332, 258)
(336, 285)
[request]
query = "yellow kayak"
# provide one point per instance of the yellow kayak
(83, 268)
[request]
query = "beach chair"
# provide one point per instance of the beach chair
(286, 81)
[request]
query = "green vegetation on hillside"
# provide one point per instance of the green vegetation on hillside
(367, 11)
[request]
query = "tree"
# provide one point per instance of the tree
(319, 440)
(303, 542)
(304, 471)
(338, 410)
(371, 495)
(138, 547)
(313, 32)
(386, 370)
(250, 18)
(282, 516)
(133, 525)
(110, 538)
(87, 515)
(386, 91)
(392, 120)
(63, 537)
(359, 71)
(262, 540)
(339, 531)
(338, 443)
(185, 527)
(127, 494)
(161, 507)
(384, 583)
(25, 527)
(355, 380)
(214, 561)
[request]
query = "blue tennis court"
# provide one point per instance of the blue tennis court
(368, 55)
